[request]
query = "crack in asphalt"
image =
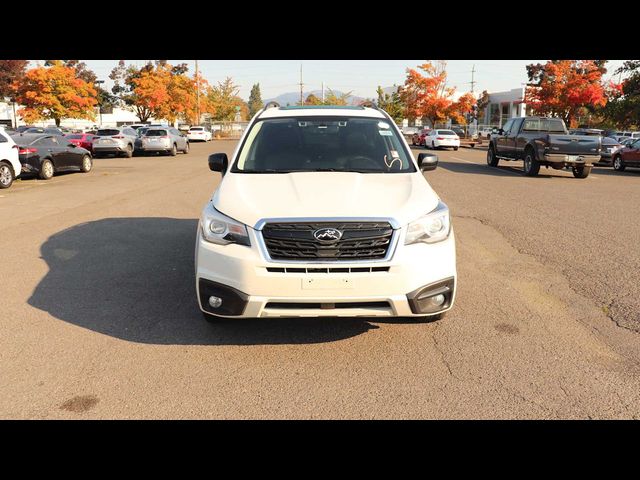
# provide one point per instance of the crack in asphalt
(607, 313)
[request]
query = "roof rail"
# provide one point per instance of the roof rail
(272, 104)
(369, 103)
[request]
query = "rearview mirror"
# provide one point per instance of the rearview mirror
(218, 162)
(427, 161)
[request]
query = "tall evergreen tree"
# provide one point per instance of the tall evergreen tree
(255, 100)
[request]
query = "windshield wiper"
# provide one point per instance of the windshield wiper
(269, 170)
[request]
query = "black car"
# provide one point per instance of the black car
(45, 155)
(45, 130)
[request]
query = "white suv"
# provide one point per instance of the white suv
(324, 212)
(10, 166)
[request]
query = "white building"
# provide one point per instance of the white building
(503, 106)
(119, 117)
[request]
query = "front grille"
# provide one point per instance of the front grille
(359, 241)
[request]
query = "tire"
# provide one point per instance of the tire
(531, 164)
(86, 165)
(6, 175)
(455, 148)
(581, 172)
(413, 142)
(618, 164)
(46, 170)
(492, 160)
(186, 148)
(129, 152)
(174, 150)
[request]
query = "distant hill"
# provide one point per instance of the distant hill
(292, 98)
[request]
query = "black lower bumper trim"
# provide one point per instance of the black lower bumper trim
(234, 301)
(419, 300)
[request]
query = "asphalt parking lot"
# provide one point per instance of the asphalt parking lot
(99, 314)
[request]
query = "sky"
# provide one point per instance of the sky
(361, 77)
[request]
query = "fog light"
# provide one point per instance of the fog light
(438, 299)
(215, 302)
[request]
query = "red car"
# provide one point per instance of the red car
(84, 140)
(418, 138)
(627, 156)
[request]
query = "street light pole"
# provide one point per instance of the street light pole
(197, 95)
(100, 82)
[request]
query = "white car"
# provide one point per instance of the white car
(324, 212)
(10, 166)
(442, 138)
(199, 134)
(485, 132)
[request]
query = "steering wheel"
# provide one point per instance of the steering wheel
(368, 163)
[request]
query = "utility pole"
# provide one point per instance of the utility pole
(197, 95)
(473, 82)
(301, 85)
(323, 93)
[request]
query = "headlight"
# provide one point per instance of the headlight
(433, 227)
(220, 229)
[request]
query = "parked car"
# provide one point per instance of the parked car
(45, 155)
(137, 145)
(410, 131)
(544, 141)
(442, 138)
(609, 147)
(418, 137)
(45, 130)
(199, 134)
(485, 132)
(84, 140)
(136, 126)
(23, 128)
(10, 166)
(118, 141)
(163, 140)
(459, 131)
(627, 156)
(291, 233)
(624, 141)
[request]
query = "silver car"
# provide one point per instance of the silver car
(164, 140)
(120, 141)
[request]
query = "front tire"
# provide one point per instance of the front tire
(6, 176)
(456, 148)
(492, 160)
(128, 152)
(531, 164)
(186, 148)
(86, 165)
(618, 164)
(174, 150)
(581, 172)
(46, 170)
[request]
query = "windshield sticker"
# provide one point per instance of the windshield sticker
(386, 133)
(383, 125)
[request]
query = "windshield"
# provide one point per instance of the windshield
(74, 137)
(308, 144)
(445, 132)
(108, 132)
(196, 129)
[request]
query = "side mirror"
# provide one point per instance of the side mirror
(427, 161)
(218, 162)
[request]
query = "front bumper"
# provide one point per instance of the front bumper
(394, 289)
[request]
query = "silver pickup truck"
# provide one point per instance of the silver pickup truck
(544, 141)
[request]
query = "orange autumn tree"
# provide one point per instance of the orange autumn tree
(563, 88)
(458, 109)
(55, 93)
(151, 90)
(426, 94)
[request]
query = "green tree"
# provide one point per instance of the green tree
(255, 100)
(623, 107)
(391, 103)
(333, 99)
(224, 99)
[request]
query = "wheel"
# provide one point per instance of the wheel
(174, 150)
(581, 172)
(87, 164)
(492, 160)
(455, 148)
(413, 141)
(46, 170)
(128, 152)
(6, 175)
(531, 165)
(186, 148)
(618, 164)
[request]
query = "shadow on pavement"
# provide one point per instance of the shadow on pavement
(609, 171)
(133, 279)
(499, 171)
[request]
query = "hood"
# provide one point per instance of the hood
(249, 198)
